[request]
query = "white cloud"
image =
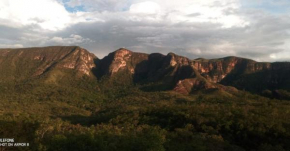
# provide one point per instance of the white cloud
(213, 11)
(48, 14)
(71, 40)
(11, 46)
(147, 7)
(52, 15)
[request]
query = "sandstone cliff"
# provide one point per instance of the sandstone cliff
(185, 75)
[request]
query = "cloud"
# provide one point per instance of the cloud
(48, 14)
(11, 46)
(71, 40)
(146, 7)
(193, 28)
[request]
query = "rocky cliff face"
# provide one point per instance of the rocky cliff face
(175, 72)
(185, 75)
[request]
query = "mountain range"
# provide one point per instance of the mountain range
(59, 65)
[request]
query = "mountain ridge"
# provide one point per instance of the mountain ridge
(171, 71)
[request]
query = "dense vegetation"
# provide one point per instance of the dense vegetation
(124, 117)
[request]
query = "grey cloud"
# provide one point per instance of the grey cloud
(256, 41)
(194, 15)
(183, 39)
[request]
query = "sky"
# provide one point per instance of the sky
(255, 29)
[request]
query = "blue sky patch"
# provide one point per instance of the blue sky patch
(267, 5)
(75, 9)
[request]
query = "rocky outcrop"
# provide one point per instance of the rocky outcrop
(80, 60)
(187, 86)
(191, 85)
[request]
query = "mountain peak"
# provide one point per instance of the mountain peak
(171, 54)
(237, 58)
(115, 61)
(123, 51)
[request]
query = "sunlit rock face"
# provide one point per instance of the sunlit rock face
(120, 60)
(80, 60)
(77, 59)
